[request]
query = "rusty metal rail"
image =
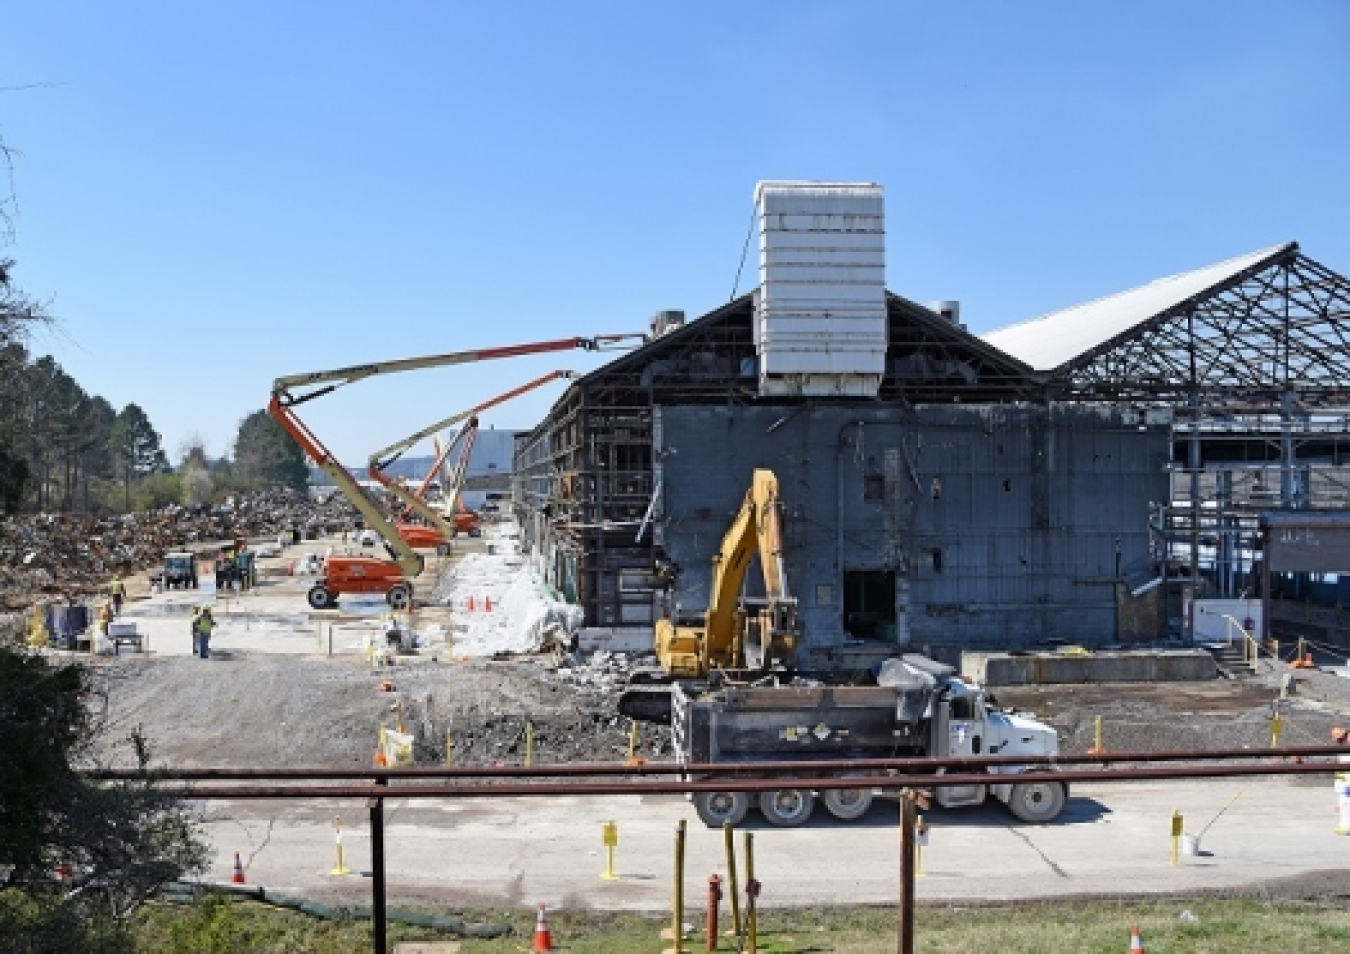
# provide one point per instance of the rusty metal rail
(805, 769)
(674, 778)
(741, 784)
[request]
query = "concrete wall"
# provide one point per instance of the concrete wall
(998, 669)
(1005, 526)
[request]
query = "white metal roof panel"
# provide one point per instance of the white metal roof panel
(1051, 340)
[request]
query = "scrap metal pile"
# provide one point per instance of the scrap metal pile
(74, 555)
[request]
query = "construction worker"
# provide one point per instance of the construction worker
(204, 626)
(1342, 782)
(196, 615)
(119, 592)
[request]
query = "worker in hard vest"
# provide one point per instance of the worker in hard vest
(119, 592)
(1342, 782)
(204, 626)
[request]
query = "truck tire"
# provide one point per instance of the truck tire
(400, 596)
(847, 804)
(476, 532)
(442, 549)
(787, 807)
(1037, 802)
(716, 809)
(320, 598)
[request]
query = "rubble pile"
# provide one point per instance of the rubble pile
(577, 720)
(73, 555)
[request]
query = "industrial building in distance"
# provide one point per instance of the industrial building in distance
(1094, 477)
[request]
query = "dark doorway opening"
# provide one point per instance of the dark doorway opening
(869, 604)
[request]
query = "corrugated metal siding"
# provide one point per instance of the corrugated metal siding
(1024, 506)
(820, 312)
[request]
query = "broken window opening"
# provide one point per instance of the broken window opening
(869, 604)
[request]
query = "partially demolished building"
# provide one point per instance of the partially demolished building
(940, 492)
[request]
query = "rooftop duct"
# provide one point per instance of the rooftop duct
(820, 311)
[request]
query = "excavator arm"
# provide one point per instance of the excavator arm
(729, 636)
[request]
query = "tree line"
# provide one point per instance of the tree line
(63, 449)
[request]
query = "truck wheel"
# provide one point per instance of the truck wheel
(1037, 802)
(716, 809)
(319, 597)
(847, 804)
(442, 549)
(787, 807)
(399, 597)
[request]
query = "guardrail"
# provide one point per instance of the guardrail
(906, 777)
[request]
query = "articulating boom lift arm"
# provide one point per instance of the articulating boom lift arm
(386, 456)
(284, 397)
(408, 559)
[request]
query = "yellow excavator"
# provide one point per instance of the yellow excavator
(736, 636)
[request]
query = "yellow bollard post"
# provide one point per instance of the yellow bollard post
(1096, 737)
(727, 836)
(632, 743)
(1276, 729)
(340, 866)
(751, 892)
(920, 843)
(1177, 823)
(449, 748)
(529, 744)
(609, 837)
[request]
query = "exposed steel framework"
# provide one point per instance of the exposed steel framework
(1279, 326)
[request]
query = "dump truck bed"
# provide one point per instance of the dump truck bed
(771, 723)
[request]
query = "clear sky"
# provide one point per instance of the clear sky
(212, 195)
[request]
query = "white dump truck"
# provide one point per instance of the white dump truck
(918, 707)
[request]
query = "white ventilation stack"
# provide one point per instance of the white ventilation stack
(820, 312)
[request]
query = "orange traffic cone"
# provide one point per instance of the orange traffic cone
(487, 604)
(470, 606)
(238, 876)
(1136, 942)
(543, 940)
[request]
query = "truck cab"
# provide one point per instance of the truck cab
(964, 724)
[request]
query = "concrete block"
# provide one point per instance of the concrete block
(615, 639)
(1024, 669)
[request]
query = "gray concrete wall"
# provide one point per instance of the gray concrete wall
(997, 669)
(1001, 523)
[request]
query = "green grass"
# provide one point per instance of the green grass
(1222, 927)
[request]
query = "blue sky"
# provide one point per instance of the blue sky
(212, 195)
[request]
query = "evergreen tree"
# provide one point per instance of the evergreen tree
(263, 451)
(135, 449)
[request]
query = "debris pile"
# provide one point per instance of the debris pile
(73, 555)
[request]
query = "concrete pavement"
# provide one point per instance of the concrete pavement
(1112, 840)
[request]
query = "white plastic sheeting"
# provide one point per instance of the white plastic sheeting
(500, 604)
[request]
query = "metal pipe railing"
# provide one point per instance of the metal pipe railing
(729, 770)
(745, 784)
